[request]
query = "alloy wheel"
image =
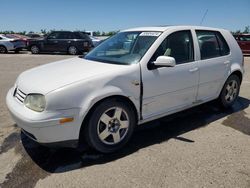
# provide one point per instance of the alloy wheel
(231, 91)
(113, 126)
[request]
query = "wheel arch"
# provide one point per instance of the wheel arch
(91, 109)
(237, 73)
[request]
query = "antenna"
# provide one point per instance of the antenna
(203, 17)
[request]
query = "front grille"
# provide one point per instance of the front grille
(19, 95)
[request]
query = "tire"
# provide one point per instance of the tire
(3, 50)
(110, 126)
(229, 92)
(72, 50)
(34, 49)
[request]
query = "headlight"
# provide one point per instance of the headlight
(35, 102)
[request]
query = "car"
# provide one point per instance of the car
(22, 38)
(244, 42)
(134, 77)
(62, 41)
(34, 35)
(10, 44)
(95, 41)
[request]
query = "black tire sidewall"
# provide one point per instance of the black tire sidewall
(222, 100)
(37, 48)
(91, 130)
(5, 49)
(71, 53)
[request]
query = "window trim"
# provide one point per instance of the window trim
(216, 36)
(149, 66)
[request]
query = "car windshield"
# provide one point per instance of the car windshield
(123, 48)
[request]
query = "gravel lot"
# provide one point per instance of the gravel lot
(200, 147)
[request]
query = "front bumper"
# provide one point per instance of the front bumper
(44, 127)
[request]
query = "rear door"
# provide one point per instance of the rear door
(64, 41)
(214, 63)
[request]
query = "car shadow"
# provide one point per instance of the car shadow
(155, 132)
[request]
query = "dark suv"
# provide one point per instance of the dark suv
(62, 41)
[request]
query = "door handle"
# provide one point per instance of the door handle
(194, 69)
(226, 62)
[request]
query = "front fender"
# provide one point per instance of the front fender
(109, 91)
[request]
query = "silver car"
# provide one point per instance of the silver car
(10, 44)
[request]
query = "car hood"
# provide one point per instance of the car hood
(49, 77)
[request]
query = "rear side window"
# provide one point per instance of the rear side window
(212, 44)
(78, 36)
(224, 49)
(81, 35)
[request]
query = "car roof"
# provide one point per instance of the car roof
(242, 34)
(164, 28)
(3, 36)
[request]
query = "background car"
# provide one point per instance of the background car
(62, 41)
(244, 42)
(34, 35)
(95, 41)
(22, 38)
(10, 44)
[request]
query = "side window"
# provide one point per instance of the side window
(178, 45)
(70, 35)
(79, 35)
(209, 46)
(212, 44)
(247, 37)
(53, 35)
(242, 38)
(224, 48)
(65, 35)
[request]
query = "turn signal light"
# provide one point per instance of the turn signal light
(66, 120)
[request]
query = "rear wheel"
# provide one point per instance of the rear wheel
(110, 126)
(230, 91)
(72, 50)
(3, 50)
(34, 49)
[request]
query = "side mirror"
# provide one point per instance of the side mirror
(164, 61)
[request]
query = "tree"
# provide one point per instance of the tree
(43, 31)
(247, 29)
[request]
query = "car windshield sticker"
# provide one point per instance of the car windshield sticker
(153, 34)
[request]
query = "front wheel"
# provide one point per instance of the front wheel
(110, 126)
(230, 91)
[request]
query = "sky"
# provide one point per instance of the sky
(113, 15)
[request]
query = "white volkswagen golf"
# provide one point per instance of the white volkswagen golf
(134, 77)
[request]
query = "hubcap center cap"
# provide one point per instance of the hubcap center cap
(230, 91)
(114, 125)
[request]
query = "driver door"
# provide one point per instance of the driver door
(167, 89)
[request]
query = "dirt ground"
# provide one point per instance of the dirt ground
(200, 147)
